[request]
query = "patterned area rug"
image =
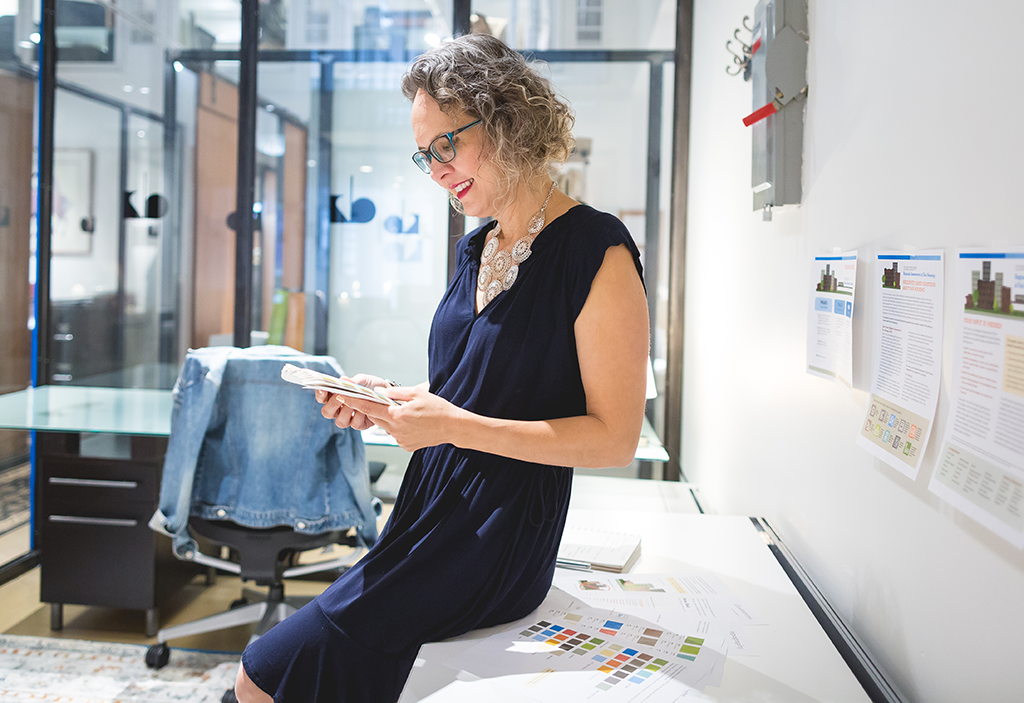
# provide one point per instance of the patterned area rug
(14, 500)
(75, 671)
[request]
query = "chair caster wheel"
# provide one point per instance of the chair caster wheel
(239, 603)
(158, 655)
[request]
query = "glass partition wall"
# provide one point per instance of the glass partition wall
(131, 126)
(18, 108)
(377, 233)
(351, 244)
(111, 298)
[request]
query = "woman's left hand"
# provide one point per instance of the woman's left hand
(422, 420)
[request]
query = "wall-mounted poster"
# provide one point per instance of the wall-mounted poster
(830, 317)
(73, 222)
(908, 358)
(981, 466)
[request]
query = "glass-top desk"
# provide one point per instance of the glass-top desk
(129, 411)
(138, 411)
(98, 460)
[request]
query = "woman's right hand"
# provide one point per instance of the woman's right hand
(334, 407)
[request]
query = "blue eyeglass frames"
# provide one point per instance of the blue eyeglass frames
(441, 149)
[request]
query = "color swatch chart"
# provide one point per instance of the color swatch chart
(624, 664)
(572, 651)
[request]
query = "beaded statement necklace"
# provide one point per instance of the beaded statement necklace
(500, 269)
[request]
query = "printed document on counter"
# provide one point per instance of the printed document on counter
(617, 640)
(980, 469)
(908, 358)
(830, 317)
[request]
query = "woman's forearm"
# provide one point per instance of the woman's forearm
(585, 441)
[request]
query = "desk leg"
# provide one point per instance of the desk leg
(152, 621)
(56, 616)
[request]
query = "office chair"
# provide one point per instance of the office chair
(266, 556)
(222, 401)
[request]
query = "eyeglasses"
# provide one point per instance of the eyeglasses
(441, 149)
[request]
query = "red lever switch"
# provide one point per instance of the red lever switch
(762, 112)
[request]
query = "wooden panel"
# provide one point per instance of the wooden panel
(214, 270)
(271, 213)
(295, 327)
(218, 96)
(295, 157)
(16, 95)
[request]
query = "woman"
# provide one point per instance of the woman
(537, 363)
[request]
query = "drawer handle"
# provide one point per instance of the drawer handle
(108, 521)
(92, 482)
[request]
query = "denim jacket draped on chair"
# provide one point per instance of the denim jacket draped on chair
(249, 447)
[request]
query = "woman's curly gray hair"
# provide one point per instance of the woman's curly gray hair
(528, 127)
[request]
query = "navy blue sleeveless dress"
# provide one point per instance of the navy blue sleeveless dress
(473, 536)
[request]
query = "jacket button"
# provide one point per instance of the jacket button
(300, 525)
(222, 512)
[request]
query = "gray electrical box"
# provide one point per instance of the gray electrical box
(779, 77)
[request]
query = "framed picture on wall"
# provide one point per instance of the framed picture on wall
(73, 221)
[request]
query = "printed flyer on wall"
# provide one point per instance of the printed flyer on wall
(908, 359)
(830, 317)
(981, 466)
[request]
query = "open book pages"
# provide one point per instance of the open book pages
(602, 550)
(307, 378)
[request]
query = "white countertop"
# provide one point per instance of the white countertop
(795, 662)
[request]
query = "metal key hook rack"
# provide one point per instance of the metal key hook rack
(741, 62)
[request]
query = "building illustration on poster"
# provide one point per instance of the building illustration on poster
(989, 294)
(891, 276)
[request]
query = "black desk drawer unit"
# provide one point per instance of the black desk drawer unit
(92, 518)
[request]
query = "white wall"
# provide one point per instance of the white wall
(912, 139)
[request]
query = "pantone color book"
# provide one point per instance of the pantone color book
(603, 550)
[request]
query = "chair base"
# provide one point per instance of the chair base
(264, 557)
(268, 612)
